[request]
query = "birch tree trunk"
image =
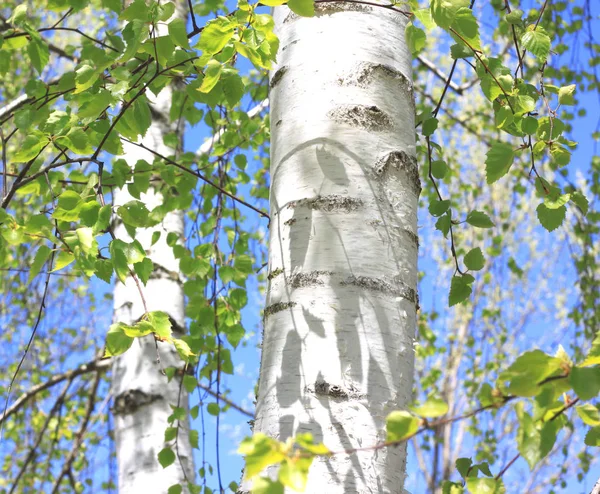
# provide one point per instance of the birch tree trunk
(341, 305)
(143, 397)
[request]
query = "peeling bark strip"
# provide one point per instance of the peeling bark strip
(397, 288)
(366, 117)
(131, 400)
(365, 72)
(329, 204)
(400, 160)
(278, 307)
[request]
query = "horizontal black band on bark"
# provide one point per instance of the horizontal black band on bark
(363, 116)
(329, 204)
(396, 288)
(278, 307)
(339, 391)
(399, 160)
(366, 72)
(131, 400)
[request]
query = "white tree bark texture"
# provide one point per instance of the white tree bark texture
(341, 304)
(143, 397)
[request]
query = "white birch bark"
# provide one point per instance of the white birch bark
(341, 305)
(142, 395)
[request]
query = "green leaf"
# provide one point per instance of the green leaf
(474, 259)
(401, 425)
(551, 219)
(589, 414)
(592, 438)
(439, 169)
(211, 76)
(485, 486)
(515, 17)
(443, 224)
(175, 489)
(166, 457)
(213, 409)
(460, 289)
(233, 89)
(264, 485)
(190, 383)
(585, 381)
(437, 208)
(431, 408)
(117, 342)
(499, 160)
(104, 269)
(527, 372)
(466, 29)
(62, 260)
(304, 8)
(38, 52)
(238, 298)
(537, 42)
(144, 269)
(41, 256)
(429, 126)
(30, 147)
(415, 38)
(215, 35)
(443, 12)
(178, 33)
(424, 15)
(260, 451)
(566, 95)
(479, 219)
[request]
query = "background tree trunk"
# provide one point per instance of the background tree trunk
(341, 304)
(143, 397)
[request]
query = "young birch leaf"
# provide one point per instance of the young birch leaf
(585, 382)
(592, 438)
(466, 29)
(499, 160)
(117, 342)
(304, 8)
(551, 219)
(460, 289)
(589, 414)
(401, 425)
(432, 408)
(474, 259)
(537, 42)
(215, 36)
(479, 219)
(485, 486)
(443, 12)
(415, 38)
(63, 259)
(166, 457)
(565, 95)
(38, 52)
(30, 147)
(212, 74)
(41, 256)
(178, 33)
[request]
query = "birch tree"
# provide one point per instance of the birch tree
(341, 303)
(146, 402)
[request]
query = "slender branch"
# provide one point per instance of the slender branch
(93, 366)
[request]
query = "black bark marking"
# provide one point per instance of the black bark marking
(363, 116)
(399, 160)
(131, 400)
(277, 76)
(329, 204)
(278, 307)
(397, 288)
